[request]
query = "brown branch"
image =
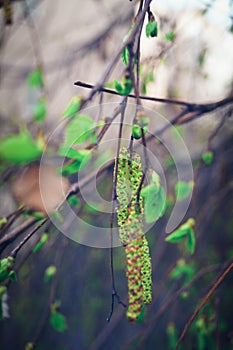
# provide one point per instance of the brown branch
(97, 88)
(203, 302)
(18, 230)
(199, 108)
(29, 235)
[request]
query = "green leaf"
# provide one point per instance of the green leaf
(177, 235)
(12, 276)
(40, 111)
(170, 36)
(19, 149)
(81, 158)
(128, 86)
(36, 78)
(125, 88)
(154, 202)
(58, 321)
(118, 86)
(191, 241)
(184, 231)
(151, 29)
(136, 131)
(208, 157)
(74, 201)
(43, 240)
(125, 56)
(3, 221)
(79, 130)
(183, 189)
(6, 265)
(50, 272)
(73, 107)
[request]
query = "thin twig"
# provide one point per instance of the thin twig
(202, 107)
(29, 235)
(203, 302)
(114, 198)
(17, 231)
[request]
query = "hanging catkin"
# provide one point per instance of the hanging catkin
(130, 222)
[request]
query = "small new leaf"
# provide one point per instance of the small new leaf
(177, 235)
(125, 56)
(81, 159)
(50, 273)
(118, 86)
(170, 36)
(40, 111)
(58, 321)
(151, 29)
(184, 231)
(73, 107)
(43, 240)
(6, 266)
(208, 157)
(36, 78)
(3, 221)
(124, 88)
(191, 241)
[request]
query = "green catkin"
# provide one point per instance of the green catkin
(130, 222)
(146, 272)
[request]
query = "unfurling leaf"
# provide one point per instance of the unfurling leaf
(125, 56)
(152, 29)
(185, 231)
(177, 235)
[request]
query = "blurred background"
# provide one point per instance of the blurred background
(191, 60)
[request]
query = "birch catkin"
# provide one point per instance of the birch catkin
(130, 222)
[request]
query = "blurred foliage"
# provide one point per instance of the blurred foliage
(62, 296)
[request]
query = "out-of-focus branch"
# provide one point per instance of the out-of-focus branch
(199, 108)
